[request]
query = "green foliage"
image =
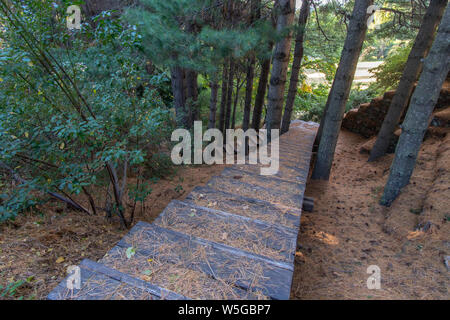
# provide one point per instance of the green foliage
(185, 33)
(388, 74)
(63, 120)
(309, 104)
(359, 96)
(10, 289)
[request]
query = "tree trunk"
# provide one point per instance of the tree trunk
(255, 15)
(239, 85)
(436, 68)
(213, 104)
(233, 117)
(248, 93)
(223, 99)
(279, 65)
(341, 88)
(177, 77)
(322, 121)
(298, 56)
(192, 94)
(261, 93)
(412, 70)
(229, 94)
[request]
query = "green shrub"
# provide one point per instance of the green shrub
(70, 117)
(388, 74)
(310, 103)
(359, 96)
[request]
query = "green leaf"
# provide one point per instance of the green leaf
(130, 252)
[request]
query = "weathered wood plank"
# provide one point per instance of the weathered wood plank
(99, 282)
(270, 182)
(287, 173)
(254, 273)
(237, 231)
(246, 206)
(258, 192)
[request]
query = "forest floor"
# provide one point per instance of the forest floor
(347, 231)
(41, 247)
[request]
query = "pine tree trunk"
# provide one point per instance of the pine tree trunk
(298, 56)
(412, 70)
(223, 99)
(229, 94)
(341, 88)
(279, 65)
(213, 104)
(322, 120)
(236, 100)
(248, 93)
(233, 117)
(261, 93)
(436, 68)
(177, 77)
(192, 94)
(255, 15)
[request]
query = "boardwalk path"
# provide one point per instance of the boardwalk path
(234, 238)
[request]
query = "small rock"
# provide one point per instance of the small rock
(447, 262)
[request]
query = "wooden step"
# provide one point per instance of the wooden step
(256, 179)
(158, 249)
(99, 282)
(274, 196)
(287, 173)
(245, 206)
(237, 231)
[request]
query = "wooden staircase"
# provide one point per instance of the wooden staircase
(234, 238)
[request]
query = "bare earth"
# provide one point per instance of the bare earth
(349, 231)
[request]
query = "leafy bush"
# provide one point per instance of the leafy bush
(388, 74)
(70, 115)
(359, 96)
(310, 102)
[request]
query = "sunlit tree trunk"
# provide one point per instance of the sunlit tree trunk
(436, 68)
(298, 56)
(286, 11)
(412, 70)
(341, 88)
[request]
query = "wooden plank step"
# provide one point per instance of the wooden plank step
(274, 196)
(170, 272)
(302, 143)
(263, 181)
(237, 231)
(293, 174)
(245, 206)
(99, 282)
(156, 246)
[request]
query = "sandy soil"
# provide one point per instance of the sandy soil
(348, 230)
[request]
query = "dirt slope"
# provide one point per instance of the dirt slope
(349, 230)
